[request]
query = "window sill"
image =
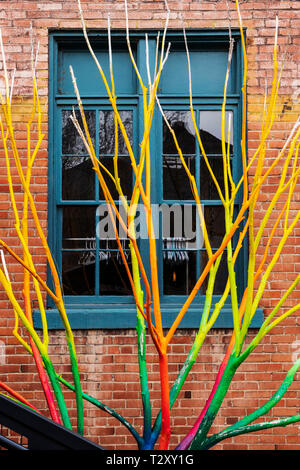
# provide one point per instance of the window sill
(110, 317)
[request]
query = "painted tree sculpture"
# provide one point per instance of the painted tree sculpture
(145, 288)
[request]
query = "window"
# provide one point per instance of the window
(93, 277)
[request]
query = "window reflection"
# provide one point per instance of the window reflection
(215, 223)
(72, 143)
(79, 227)
(181, 237)
(77, 178)
(113, 276)
(221, 276)
(182, 260)
(107, 132)
(176, 184)
(180, 268)
(208, 188)
(125, 175)
(78, 273)
(182, 124)
(210, 131)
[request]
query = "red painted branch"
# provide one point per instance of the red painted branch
(40, 367)
(19, 397)
(165, 402)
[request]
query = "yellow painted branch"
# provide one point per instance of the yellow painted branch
(35, 275)
(8, 289)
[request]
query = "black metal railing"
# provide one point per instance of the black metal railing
(24, 429)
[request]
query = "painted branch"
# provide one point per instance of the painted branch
(243, 426)
(18, 396)
(107, 409)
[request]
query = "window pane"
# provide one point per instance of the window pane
(176, 184)
(182, 124)
(111, 244)
(210, 131)
(71, 140)
(113, 276)
(86, 73)
(208, 188)
(179, 267)
(179, 232)
(78, 178)
(107, 132)
(125, 176)
(221, 277)
(215, 224)
(78, 273)
(79, 227)
(180, 223)
(208, 69)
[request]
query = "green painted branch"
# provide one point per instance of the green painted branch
(19, 402)
(107, 409)
(79, 400)
(209, 294)
(215, 404)
(74, 365)
(241, 426)
(141, 329)
(57, 392)
(256, 427)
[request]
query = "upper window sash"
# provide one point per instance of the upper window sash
(208, 53)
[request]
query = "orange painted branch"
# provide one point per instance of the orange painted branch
(35, 275)
(17, 395)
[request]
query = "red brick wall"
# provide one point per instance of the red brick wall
(108, 359)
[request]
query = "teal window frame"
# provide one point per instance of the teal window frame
(93, 312)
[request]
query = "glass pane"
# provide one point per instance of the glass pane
(78, 273)
(210, 131)
(71, 140)
(179, 268)
(221, 277)
(208, 188)
(180, 226)
(215, 224)
(111, 244)
(182, 124)
(125, 176)
(79, 227)
(113, 276)
(78, 178)
(107, 132)
(107, 223)
(176, 184)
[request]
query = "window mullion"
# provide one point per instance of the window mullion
(197, 177)
(97, 258)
